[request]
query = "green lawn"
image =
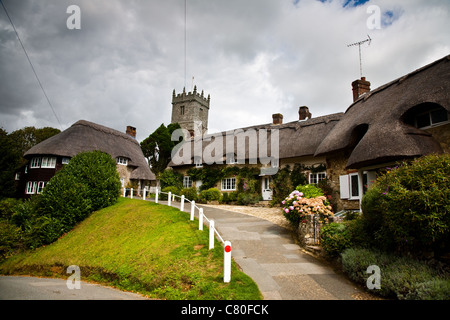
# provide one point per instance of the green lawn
(141, 247)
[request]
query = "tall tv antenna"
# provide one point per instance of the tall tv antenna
(359, 43)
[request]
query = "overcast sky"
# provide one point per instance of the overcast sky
(254, 57)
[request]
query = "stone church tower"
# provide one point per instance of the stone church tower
(191, 111)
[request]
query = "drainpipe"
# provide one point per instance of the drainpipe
(360, 186)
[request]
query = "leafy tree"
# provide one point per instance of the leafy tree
(28, 137)
(157, 147)
(10, 159)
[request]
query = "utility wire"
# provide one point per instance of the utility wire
(32, 67)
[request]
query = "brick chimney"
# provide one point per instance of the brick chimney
(303, 113)
(277, 118)
(131, 131)
(360, 87)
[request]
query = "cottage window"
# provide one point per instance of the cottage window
(315, 178)
(431, 118)
(31, 187)
(231, 158)
(187, 182)
(229, 184)
(349, 185)
(40, 186)
(48, 162)
(35, 163)
(198, 162)
(65, 160)
(122, 161)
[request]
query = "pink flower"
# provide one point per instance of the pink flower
(286, 210)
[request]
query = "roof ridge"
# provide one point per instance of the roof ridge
(104, 129)
(367, 95)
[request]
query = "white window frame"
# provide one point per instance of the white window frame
(316, 176)
(346, 185)
(228, 184)
(198, 163)
(40, 186)
(431, 119)
(187, 182)
(122, 161)
(35, 163)
(31, 187)
(65, 160)
(48, 162)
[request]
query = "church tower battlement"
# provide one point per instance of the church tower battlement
(190, 109)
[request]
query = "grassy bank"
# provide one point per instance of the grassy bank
(141, 247)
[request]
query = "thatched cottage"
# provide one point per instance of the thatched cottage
(403, 119)
(49, 156)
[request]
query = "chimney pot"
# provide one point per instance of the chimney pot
(277, 118)
(360, 87)
(303, 113)
(131, 131)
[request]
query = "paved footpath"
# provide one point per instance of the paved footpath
(268, 254)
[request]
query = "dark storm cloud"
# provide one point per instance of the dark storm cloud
(255, 57)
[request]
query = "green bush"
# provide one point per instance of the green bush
(400, 277)
(190, 193)
(11, 239)
(97, 170)
(334, 238)
(212, 194)
(310, 191)
(246, 198)
(170, 178)
(171, 189)
(89, 182)
(408, 207)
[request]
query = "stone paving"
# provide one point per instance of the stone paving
(267, 253)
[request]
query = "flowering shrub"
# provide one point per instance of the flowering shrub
(296, 208)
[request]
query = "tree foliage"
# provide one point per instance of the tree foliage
(157, 147)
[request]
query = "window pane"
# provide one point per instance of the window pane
(440, 115)
(354, 185)
(423, 120)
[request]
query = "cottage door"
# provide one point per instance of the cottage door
(266, 191)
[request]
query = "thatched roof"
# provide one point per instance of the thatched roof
(88, 136)
(295, 139)
(373, 127)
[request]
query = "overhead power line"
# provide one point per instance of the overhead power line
(31, 64)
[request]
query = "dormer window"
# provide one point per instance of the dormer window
(198, 162)
(122, 161)
(426, 115)
(431, 118)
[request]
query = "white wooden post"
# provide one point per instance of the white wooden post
(200, 219)
(182, 203)
(144, 194)
(192, 210)
(173, 197)
(124, 192)
(131, 193)
(211, 234)
(169, 199)
(156, 195)
(227, 262)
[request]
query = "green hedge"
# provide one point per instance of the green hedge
(408, 207)
(400, 277)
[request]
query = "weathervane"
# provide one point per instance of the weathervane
(359, 43)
